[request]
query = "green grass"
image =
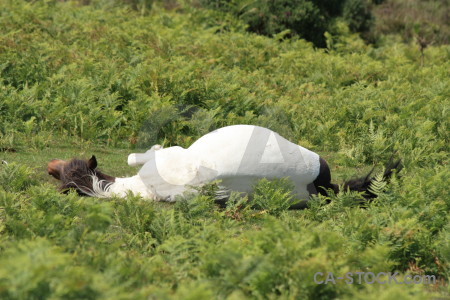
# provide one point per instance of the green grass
(102, 79)
(111, 160)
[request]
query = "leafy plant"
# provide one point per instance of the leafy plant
(273, 196)
(85, 77)
(15, 177)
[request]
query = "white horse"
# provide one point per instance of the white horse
(236, 155)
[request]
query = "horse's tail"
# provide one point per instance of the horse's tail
(363, 184)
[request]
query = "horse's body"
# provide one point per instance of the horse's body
(236, 155)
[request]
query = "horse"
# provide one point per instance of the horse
(235, 156)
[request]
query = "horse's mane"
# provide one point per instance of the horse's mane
(77, 175)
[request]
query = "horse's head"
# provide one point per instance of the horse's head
(80, 175)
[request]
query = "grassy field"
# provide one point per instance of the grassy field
(103, 79)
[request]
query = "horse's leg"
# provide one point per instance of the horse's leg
(138, 159)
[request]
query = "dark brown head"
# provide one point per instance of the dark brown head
(79, 175)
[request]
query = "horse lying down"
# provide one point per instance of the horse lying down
(236, 155)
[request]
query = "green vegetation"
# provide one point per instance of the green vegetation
(109, 77)
(309, 19)
(427, 22)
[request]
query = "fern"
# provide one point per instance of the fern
(101, 77)
(377, 184)
(273, 196)
(16, 177)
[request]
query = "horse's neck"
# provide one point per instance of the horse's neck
(133, 184)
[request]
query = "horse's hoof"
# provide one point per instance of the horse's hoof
(132, 160)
